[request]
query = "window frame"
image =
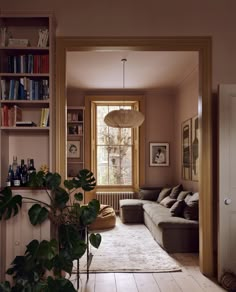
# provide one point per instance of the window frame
(137, 103)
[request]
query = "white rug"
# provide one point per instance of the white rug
(129, 248)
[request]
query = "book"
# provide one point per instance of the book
(25, 124)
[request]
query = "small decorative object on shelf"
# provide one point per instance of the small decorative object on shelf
(3, 36)
(18, 42)
(43, 38)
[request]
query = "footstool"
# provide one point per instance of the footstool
(106, 218)
(131, 211)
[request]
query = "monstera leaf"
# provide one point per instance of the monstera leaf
(61, 197)
(37, 214)
(86, 179)
(89, 213)
(59, 285)
(9, 204)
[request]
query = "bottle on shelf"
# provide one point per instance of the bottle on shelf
(31, 168)
(23, 173)
(16, 179)
(9, 180)
(14, 164)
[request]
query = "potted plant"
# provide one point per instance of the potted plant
(70, 219)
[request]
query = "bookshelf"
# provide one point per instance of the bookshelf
(75, 140)
(27, 55)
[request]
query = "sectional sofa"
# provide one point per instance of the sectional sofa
(170, 214)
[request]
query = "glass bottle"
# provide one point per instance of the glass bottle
(9, 180)
(16, 179)
(31, 168)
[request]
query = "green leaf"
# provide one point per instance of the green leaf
(9, 204)
(47, 249)
(53, 180)
(69, 184)
(94, 204)
(37, 214)
(95, 239)
(79, 196)
(86, 179)
(5, 287)
(61, 197)
(60, 285)
(37, 179)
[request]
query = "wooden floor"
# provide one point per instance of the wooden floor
(188, 280)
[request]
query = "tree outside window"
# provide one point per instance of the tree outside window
(114, 148)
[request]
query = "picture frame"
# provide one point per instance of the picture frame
(159, 154)
(73, 130)
(195, 148)
(73, 149)
(186, 130)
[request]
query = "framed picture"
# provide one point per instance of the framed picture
(186, 149)
(73, 149)
(159, 154)
(195, 148)
(73, 130)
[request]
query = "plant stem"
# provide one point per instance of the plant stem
(35, 200)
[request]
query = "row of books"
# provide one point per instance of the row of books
(10, 115)
(28, 64)
(44, 119)
(24, 89)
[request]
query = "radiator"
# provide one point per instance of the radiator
(113, 198)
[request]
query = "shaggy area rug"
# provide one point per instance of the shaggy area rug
(129, 248)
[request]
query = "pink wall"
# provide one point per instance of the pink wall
(159, 123)
(186, 107)
(148, 18)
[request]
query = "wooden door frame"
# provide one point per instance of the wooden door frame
(202, 45)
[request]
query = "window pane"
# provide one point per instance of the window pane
(114, 151)
(102, 165)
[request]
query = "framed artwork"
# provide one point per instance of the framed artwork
(186, 149)
(195, 148)
(159, 154)
(73, 149)
(73, 130)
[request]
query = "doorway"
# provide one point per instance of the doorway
(202, 45)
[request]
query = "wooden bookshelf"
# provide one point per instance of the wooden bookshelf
(28, 72)
(75, 140)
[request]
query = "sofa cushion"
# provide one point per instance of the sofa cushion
(148, 194)
(175, 191)
(178, 208)
(183, 194)
(164, 193)
(167, 202)
(191, 211)
(194, 197)
(188, 197)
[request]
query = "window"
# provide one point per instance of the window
(115, 156)
(114, 149)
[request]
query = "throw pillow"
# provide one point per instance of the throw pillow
(182, 195)
(167, 202)
(150, 195)
(164, 193)
(178, 208)
(191, 211)
(175, 191)
(188, 198)
(194, 197)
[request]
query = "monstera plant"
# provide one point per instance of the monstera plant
(70, 218)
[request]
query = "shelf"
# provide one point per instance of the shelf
(26, 103)
(74, 162)
(25, 48)
(75, 122)
(25, 128)
(24, 75)
(75, 136)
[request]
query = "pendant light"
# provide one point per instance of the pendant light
(124, 118)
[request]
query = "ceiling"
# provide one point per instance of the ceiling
(143, 69)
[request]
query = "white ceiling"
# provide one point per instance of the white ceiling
(143, 69)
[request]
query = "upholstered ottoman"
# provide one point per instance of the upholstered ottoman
(131, 211)
(106, 218)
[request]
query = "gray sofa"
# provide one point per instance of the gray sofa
(174, 231)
